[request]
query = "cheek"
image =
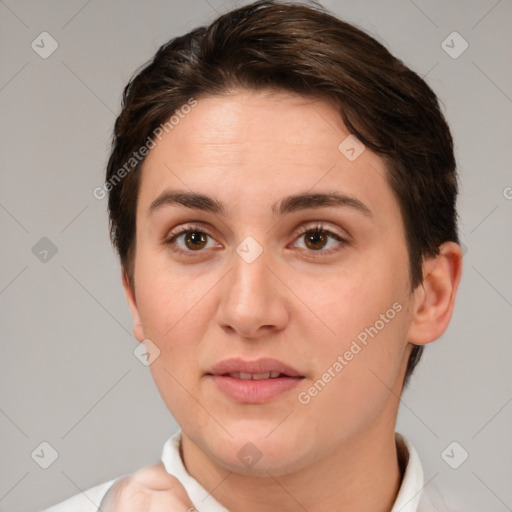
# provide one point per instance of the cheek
(358, 351)
(168, 298)
(343, 304)
(178, 391)
(172, 315)
(354, 380)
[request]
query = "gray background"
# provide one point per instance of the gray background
(68, 374)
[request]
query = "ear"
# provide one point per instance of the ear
(138, 330)
(434, 298)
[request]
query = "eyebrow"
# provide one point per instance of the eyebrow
(282, 207)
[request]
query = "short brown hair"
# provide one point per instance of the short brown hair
(303, 49)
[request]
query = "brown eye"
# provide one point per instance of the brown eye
(195, 239)
(315, 239)
(190, 240)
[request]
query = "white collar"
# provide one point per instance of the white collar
(410, 491)
(199, 496)
(407, 500)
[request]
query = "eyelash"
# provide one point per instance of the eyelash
(315, 230)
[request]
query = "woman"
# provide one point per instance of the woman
(282, 198)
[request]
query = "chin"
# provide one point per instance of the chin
(253, 452)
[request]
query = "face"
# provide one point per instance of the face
(249, 281)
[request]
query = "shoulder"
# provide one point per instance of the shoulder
(86, 501)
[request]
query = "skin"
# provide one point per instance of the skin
(150, 489)
(295, 303)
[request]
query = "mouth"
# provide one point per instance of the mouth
(255, 376)
(254, 382)
(263, 368)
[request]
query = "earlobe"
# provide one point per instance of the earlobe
(138, 330)
(434, 299)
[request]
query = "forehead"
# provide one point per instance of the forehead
(250, 148)
(228, 127)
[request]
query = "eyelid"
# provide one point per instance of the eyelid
(180, 230)
(321, 226)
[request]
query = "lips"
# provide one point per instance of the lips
(254, 382)
(255, 376)
(238, 368)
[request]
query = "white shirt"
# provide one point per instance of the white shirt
(410, 498)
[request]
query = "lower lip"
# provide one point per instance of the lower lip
(255, 391)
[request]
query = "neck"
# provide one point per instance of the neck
(363, 474)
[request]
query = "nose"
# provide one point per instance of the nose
(253, 299)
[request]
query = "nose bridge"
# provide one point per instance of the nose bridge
(252, 297)
(250, 275)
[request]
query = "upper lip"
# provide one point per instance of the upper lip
(262, 365)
